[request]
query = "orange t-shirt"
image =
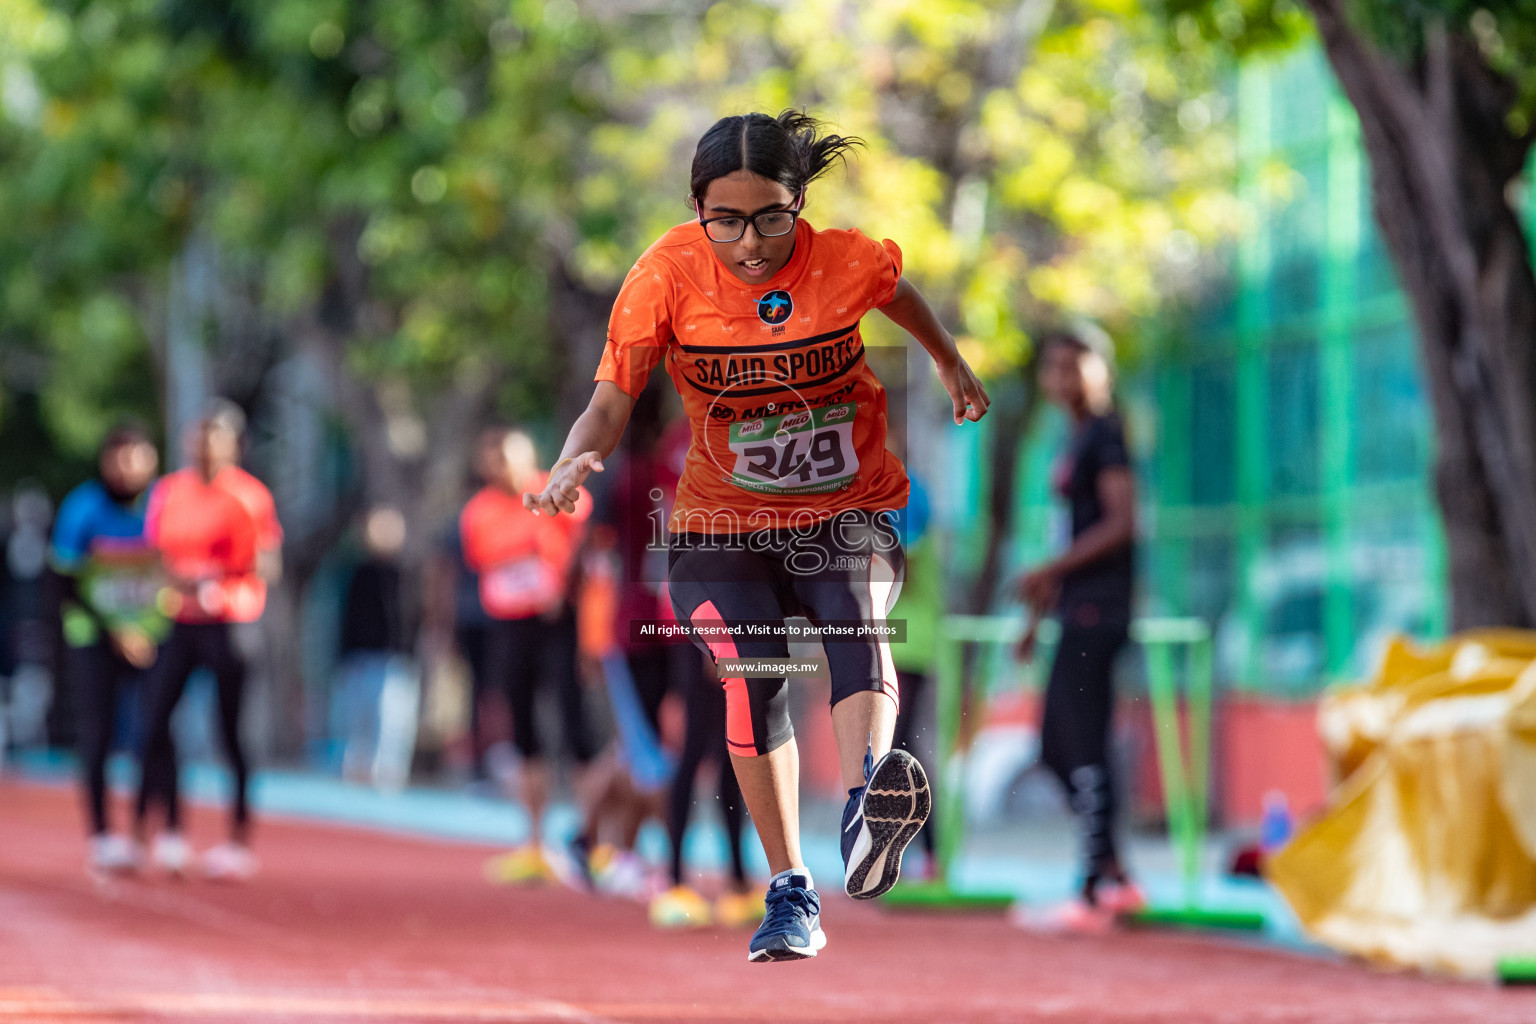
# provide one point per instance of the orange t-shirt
(788, 418)
(204, 533)
(253, 494)
(522, 558)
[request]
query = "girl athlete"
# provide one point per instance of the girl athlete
(783, 507)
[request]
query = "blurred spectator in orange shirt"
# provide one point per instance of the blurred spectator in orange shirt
(526, 562)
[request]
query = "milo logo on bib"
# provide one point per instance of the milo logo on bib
(799, 452)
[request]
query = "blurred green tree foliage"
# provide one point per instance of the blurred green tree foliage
(1034, 159)
(372, 172)
(418, 185)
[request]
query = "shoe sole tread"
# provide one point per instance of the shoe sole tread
(896, 803)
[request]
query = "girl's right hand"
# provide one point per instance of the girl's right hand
(561, 489)
(965, 391)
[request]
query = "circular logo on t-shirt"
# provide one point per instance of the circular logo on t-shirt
(775, 307)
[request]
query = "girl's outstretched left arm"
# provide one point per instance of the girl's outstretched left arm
(911, 312)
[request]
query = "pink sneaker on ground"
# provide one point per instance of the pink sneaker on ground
(1075, 916)
(1121, 899)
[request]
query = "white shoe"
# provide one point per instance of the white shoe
(113, 855)
(229, 862)
(172, 854)
(627, 877)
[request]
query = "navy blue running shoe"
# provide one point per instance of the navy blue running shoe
(880, 819)
(791, 930)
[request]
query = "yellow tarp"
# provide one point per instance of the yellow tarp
(1426, 856)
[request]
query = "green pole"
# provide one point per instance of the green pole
(1201, 659)
(1170, 547)
(947, 809)
(1252, 371)
(1336, 377)
(1170, 759)
(1185, 763)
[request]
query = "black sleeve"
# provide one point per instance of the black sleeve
(61, 588)
(1107, 446)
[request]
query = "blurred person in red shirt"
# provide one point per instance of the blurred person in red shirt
(229, 429)
(213, 525)
(525, 563)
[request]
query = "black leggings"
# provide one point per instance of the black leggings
(97, 675)
(525, 654)
(847, 568)
(1074, 735)
(192, 646)
(703, 739)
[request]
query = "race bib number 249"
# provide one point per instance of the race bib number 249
(807, 452)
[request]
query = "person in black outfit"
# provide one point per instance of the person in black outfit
(373, 644)
(1089, 588)
(372, 616)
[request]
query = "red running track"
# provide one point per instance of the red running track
(349, 925)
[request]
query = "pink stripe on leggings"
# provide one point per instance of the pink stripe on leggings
(738, 709)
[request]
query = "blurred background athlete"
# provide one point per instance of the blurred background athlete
(1088, 587)
(112, 625)
(215, 529)
(525, 566)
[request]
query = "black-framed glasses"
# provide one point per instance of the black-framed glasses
(769, 224)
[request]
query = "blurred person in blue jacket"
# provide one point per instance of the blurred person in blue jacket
(110, 577)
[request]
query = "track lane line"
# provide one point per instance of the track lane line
(28, 1006)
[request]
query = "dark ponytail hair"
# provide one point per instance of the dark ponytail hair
(789, 149)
